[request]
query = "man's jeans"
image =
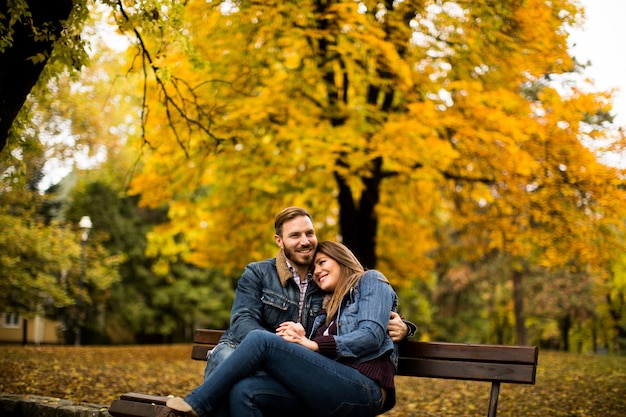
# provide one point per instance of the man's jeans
(295, 377)
(217, 355)
(258, 395)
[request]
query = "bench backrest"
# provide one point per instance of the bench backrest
(476, 362)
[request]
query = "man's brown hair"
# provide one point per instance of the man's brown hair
(286, 215)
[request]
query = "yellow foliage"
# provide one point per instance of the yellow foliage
(446, 105)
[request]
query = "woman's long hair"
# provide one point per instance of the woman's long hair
(351, 271)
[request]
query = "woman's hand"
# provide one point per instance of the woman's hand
(294, 333)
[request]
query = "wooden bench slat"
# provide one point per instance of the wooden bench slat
(144, 398)
(207, 336)
(131, 408)
(473, 371)
(470, 352)
(199, 352)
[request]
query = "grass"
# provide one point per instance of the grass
(567, 384)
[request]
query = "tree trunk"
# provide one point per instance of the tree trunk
(358, 220)
(18, 72)
(615, 309)
(518, 302)
(565, 324)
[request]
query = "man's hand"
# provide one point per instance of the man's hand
(294, 333)
(397, 328)
(290, 328)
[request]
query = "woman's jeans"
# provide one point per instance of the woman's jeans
(294, 375)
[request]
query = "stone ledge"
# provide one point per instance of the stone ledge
(38, 406)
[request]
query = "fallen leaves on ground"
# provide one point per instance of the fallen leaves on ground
(98, 374)
(567, 385)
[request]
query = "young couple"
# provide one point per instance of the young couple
(310, 335)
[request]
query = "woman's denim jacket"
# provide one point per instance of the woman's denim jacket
(363, 319)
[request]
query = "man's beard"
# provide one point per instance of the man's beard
(299, 259)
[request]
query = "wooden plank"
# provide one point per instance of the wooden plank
(473, 371)
(207, 336)
(199, 352)
(144, 398)
(126, 408)
(463, 351)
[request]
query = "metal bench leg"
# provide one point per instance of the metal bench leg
(493, 399)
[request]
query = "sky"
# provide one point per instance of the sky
(601, 41)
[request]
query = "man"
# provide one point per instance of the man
(280, 289)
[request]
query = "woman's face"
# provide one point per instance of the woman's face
(327, 272)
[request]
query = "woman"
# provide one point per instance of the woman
(345, 368)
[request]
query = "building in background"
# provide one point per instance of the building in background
(16, 329)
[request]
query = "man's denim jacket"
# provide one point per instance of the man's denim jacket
(363, 319)
(267, 296)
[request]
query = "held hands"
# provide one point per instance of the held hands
(294, 333)
(397, 328)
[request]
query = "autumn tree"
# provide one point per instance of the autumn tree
(146, 304)
(39, 249)
(88, 116)
(379, 115)
(422, 134)
(40, 262)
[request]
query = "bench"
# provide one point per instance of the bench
(471, 362)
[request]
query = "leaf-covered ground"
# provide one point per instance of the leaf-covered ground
(567, 385)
